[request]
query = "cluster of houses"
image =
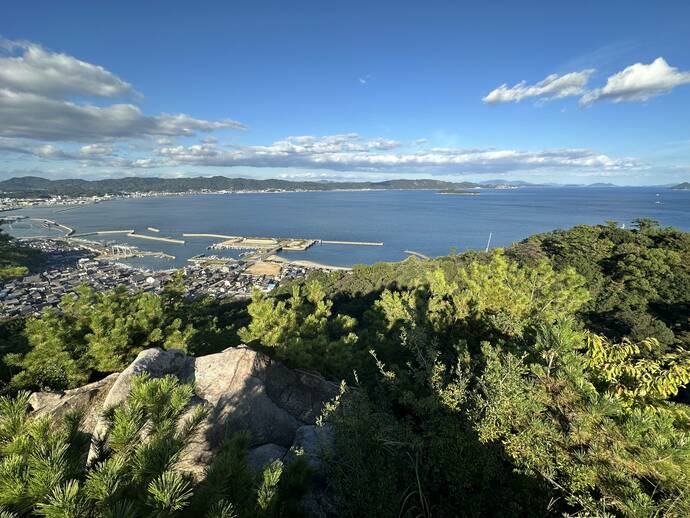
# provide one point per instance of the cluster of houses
(32, 294)
(70, 269)
(234, 279)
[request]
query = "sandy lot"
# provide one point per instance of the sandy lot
(265, 268)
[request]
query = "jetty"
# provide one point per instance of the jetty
(157, 238)
(214, 236)
(48, 223)
(104, 232)
(357, 243)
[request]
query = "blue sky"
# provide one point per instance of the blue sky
(348, 90)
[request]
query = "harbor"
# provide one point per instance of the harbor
(259, 253)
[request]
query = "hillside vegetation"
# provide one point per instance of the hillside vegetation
(548, 378)
(35, 186)
(15, 260)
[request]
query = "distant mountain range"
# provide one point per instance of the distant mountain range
(685, 186)
(37, 186)
(34, 185)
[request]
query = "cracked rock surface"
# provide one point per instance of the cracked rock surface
(245, 390)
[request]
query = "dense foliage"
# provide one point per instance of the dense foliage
(545, 379)
(549, 378)
(94, 333)
(15, 260)
(136, 470)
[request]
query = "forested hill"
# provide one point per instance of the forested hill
(549, 378)
(33, 185)
(685, 186)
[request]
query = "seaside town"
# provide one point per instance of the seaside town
(12, 203)
(71, 264)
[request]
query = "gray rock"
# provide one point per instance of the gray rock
(261, 456)
(245, 391)
(88, 399)
(156, 363)
(313, 442)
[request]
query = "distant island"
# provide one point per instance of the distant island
(36, 186)
(685, 186)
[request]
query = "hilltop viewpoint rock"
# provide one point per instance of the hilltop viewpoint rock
(246, 391)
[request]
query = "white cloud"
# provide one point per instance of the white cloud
(53, 74)
(552, 87)
(351, 153)
(382, 143)
(42, 98)
(96, 150)
(28, 115)
(346, 154)
(639, 82)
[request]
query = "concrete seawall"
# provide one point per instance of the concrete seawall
(358, 243)
(156, 238)
(219, 236)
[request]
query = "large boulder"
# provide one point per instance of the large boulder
(88, 399)
(245, 390)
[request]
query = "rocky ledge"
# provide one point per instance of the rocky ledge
(245, 390)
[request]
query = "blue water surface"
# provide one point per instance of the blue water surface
(422, 221)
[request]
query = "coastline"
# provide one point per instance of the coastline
(307, 264)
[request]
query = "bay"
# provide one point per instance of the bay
(421, 221)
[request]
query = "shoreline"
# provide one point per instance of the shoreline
(308, 264)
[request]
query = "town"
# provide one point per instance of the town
(71, 265)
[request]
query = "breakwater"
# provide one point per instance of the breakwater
(157, 238)
(214, 236)
(357, 243)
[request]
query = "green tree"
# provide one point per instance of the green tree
(302, 329)
(93, 333)
(43, 469)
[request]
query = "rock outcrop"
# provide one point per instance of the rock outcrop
(88, 399)
(245, 390)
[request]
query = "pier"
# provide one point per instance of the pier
(116, 251)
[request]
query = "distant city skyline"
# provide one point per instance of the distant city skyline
(544, 93)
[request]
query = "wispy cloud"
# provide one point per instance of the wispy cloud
(344, 154)
(552, 87)
(352, 153)
(638, 82)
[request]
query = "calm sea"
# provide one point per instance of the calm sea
(422, 221)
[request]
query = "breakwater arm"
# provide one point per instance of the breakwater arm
(156, 238)
(219, 236)
(359, 243)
